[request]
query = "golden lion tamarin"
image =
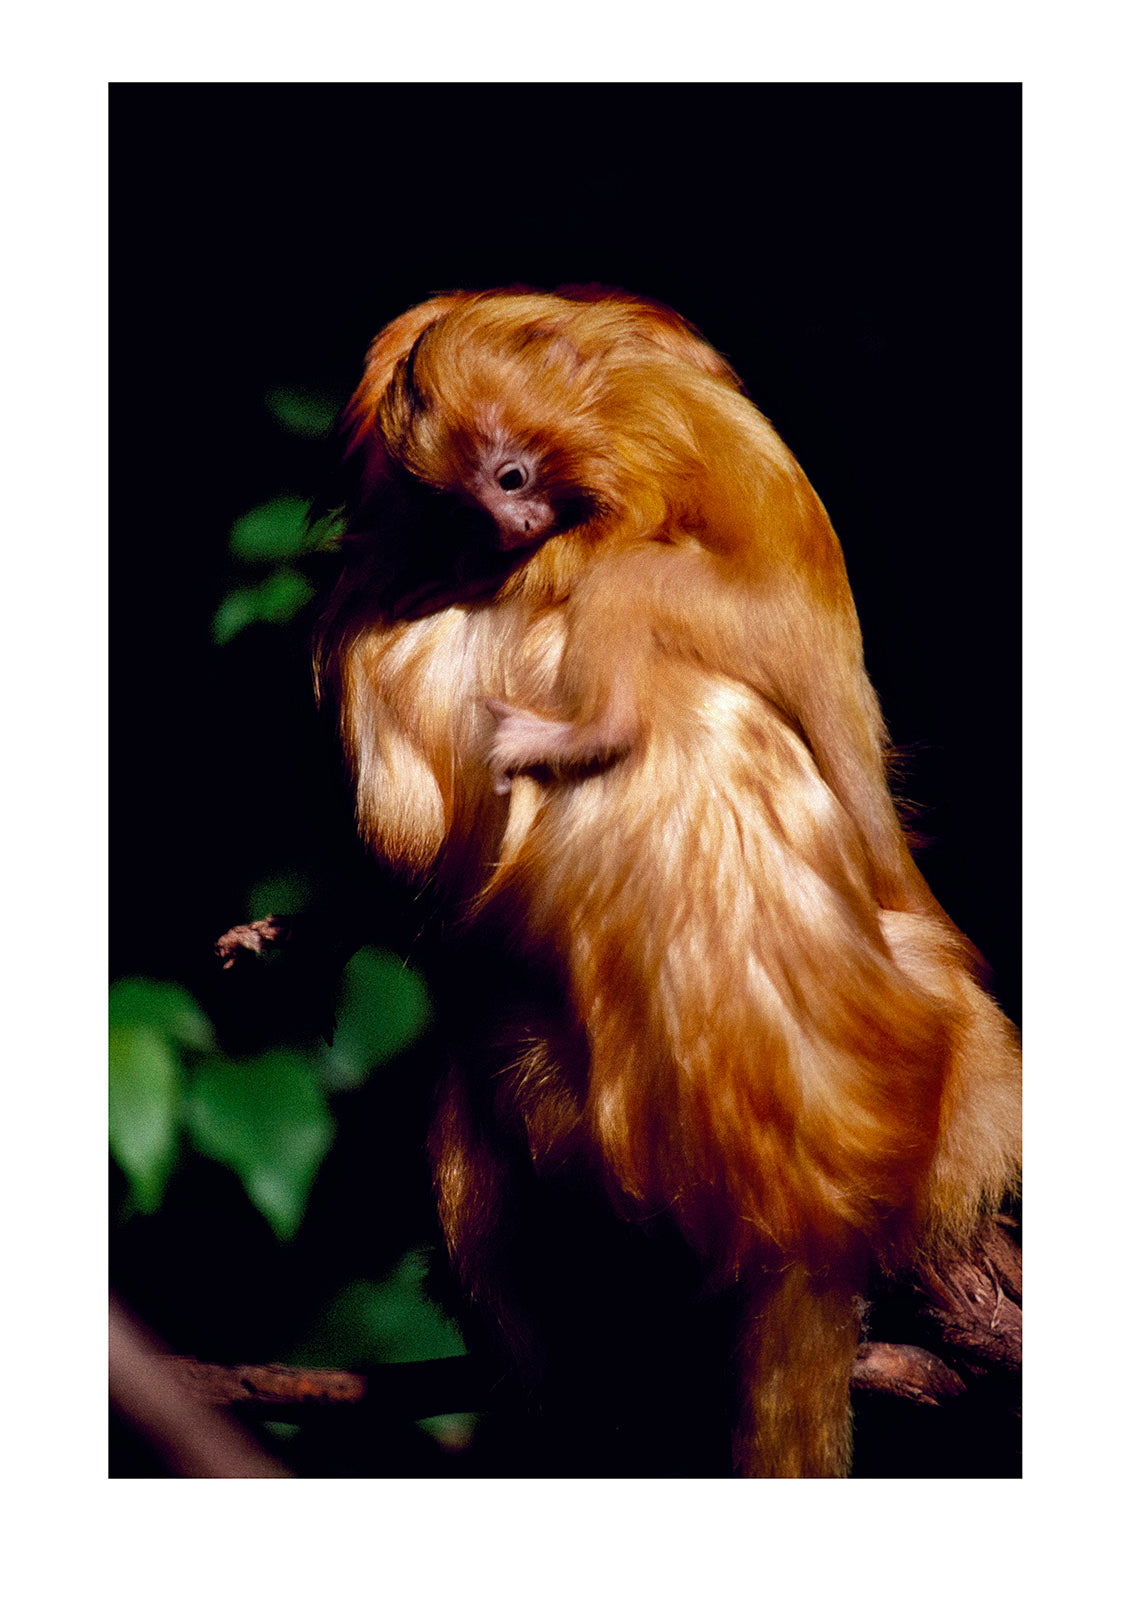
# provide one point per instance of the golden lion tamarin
(600, 678)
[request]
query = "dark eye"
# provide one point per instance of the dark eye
(511, 477)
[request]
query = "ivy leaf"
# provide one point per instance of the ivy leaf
(325, 534)
(166, 1007)
(267, 1120)
(303, 411)
(384, 1006)
(146, 1089)
(282, 894)
(271, 532)
(393, 1320)
(277, 599)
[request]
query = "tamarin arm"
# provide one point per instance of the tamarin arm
(616, 620)
(683, 600)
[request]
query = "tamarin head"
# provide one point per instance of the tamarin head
(500, 414)
(544, 413)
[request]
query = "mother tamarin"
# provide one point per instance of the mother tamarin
(600, 678)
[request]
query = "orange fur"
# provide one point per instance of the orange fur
(599, 673)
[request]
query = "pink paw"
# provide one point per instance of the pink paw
(523, 739)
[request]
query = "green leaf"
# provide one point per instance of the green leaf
(236, 611)
(276, 599)
(282, 894)
(267, 1120)
(383, 1007)
(393, 1320)
(146, 1088)
(326, 533)
(303, 411)
(271, 532)
(454, 1431)
(165, 1007)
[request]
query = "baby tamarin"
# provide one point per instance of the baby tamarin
(600, 678)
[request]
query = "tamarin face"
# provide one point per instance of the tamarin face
(512, 432)
(508, 480)
(526, 488)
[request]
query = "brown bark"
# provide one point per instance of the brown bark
(905, 1371)
(974, 1302)
(403, 1389)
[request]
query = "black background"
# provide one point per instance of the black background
(853, 250)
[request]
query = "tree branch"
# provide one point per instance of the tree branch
(401, 1390)
(408, 1390)
(905, 1371)
(193, 1439)
(973, 1302)
(965, 1309)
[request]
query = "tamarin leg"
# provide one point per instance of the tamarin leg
(479, 1200)
(795, 1358)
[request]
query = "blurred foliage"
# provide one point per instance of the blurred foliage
(271, 532)
(266, 1117)
(392, 1320)
(164, 1007)
(146, 1093)
(384, 1006)
(268, 1120)
(173, 1094)
(282, 894)
(370, 1323)
(307, 412)
(207, 1137)
(279, 532)
(277, 599)
(149, 1024)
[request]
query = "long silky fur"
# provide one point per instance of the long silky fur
(762, 1026)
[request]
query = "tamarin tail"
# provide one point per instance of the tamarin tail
(795, 1359)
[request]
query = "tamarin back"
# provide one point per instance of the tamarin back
(600, 680)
